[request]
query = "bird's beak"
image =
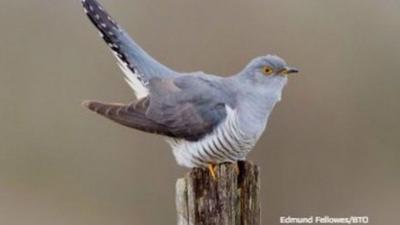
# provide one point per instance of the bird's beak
(289, 70)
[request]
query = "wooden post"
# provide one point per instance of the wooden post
(231, 199)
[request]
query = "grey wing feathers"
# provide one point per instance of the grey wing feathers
(138, 66)
(189, 107)
(170, 111)
(130, 115)
(189, 121)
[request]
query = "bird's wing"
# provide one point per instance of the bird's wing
(175, 110)
(130, 115)
(138, 66)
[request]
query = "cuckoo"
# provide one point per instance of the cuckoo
(206, 119)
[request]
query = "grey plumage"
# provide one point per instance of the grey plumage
(206, 118)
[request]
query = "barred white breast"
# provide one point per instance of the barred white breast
(226, 143)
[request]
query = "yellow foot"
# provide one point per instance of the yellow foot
(212, 169)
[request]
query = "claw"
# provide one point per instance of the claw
(212, 169)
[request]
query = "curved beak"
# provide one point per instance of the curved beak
(289, 70)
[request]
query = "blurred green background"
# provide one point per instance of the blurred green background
(331, 148)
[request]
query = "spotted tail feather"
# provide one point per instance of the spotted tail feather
(137, 65)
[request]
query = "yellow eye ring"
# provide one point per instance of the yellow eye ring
(267, 70)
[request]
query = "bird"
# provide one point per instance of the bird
(206, 119)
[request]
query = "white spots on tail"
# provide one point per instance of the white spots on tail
(109, 32)
(110, 19)
(114, 46)
(132, 78)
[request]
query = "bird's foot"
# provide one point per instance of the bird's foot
(212, 168)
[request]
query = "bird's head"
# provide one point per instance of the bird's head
(267, 76)
(268, 69)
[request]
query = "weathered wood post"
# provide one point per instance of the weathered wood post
(231, 199)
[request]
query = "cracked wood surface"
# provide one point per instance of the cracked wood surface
(231, 199)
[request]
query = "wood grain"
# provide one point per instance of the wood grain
(231, 199)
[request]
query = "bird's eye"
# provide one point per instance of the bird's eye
(267, 70)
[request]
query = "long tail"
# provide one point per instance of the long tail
(138, 66)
